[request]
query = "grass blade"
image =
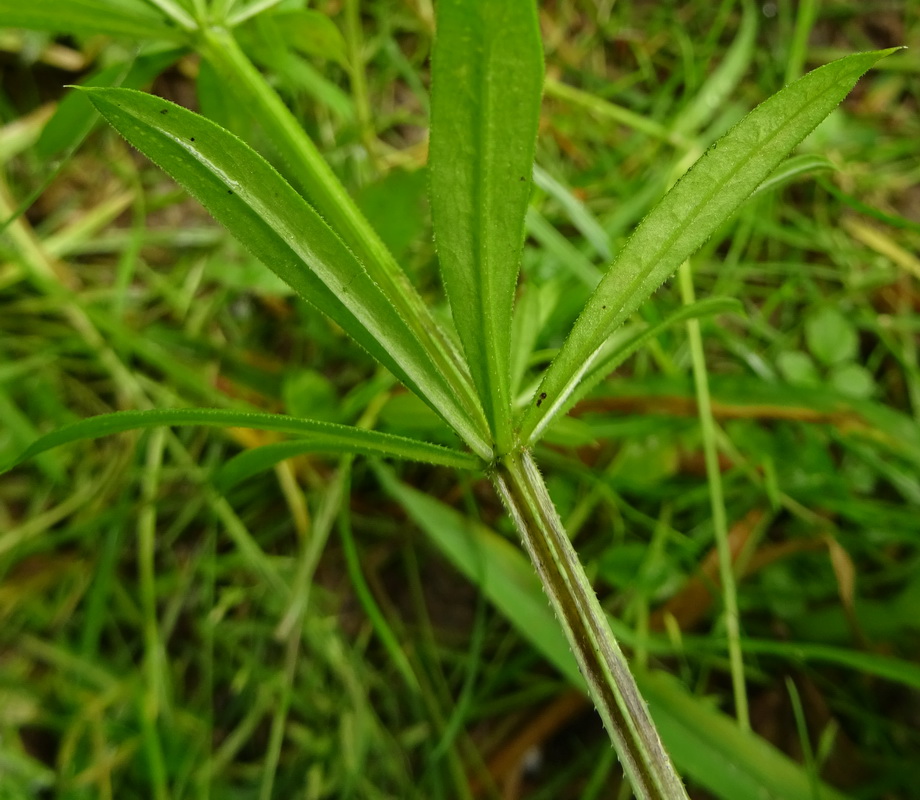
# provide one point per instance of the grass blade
(716, 753)
(270, 219)
(688, 215)
(576, 211)
(75, 117)
(93, 17)
(714, 92)
(487, 76)
(732, 616)
(617, 349)
(794, 168)
(322, 436)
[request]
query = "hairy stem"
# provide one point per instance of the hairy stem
(610, 683)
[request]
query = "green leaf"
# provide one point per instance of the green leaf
(688, 215)
(273, 41)
(892, 669)
(322, 436)
(716, 753)
(493, 564)
(310, 394)
(831, 336)
(316, 180)
(130, 18)
(718, 86)
(793, 168)
(343, 440)
(487, 76)
(576, 211)
(307, 31)
(396, 205)
(273, 222)
(853, 380)
(620, 347)
(704, 743)
(798, 368)
(557, 245)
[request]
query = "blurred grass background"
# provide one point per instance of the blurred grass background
(144, 654)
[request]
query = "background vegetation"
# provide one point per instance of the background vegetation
(149, 636)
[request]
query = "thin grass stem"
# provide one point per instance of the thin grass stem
(717, 501)
(153, 690)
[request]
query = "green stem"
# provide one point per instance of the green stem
(717, 501)
(610, 683)
(619, 114)
(153, 690)
(353, 40)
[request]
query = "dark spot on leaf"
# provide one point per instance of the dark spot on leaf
(539, 403)
(542, 395)
(164, 110)
(192, 139)
(522, 178)
(604, 307)
(229, 191)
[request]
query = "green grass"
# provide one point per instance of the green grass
(162, 639)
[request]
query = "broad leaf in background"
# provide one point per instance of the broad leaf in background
(487, 77)
(273, 222)
(688, 215)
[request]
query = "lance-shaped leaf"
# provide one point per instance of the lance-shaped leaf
(319, 436)
(273, 222)
(687, 216)
(315, 179)
(487, 76)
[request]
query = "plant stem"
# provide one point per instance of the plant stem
(153, 690)
(717, 501)
(602, 664)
